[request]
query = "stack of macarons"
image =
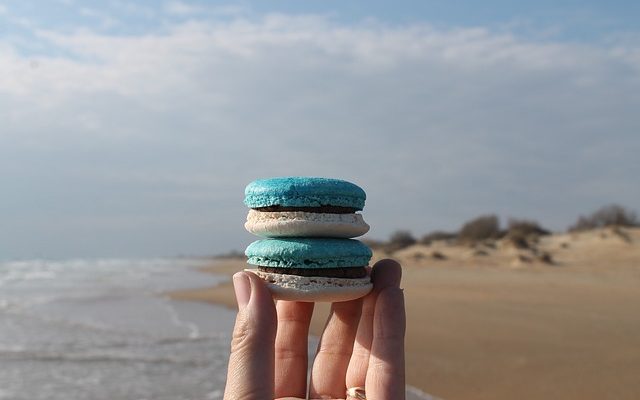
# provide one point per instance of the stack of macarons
(307, 253)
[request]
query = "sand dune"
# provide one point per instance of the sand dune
(556, 320)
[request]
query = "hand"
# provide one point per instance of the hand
(362, 343)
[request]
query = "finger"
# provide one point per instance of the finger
(251, 372)
(385, 377)
(334, 351)
(291, 348)
(385, 273)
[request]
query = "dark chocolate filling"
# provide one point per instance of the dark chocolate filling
(325, 209)
(348, 272)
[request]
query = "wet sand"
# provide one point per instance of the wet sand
(495, 327)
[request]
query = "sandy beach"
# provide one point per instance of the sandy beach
(556, 321)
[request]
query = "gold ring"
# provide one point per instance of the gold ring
(356, 393)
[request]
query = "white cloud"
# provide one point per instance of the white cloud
(183, 9)
(448, 122)
(106, 21)
(129, 8)
(180, 8)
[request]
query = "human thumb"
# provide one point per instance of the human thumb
(251, 363)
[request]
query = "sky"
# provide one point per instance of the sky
(130, 128)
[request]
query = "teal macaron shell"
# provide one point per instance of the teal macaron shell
(308, 253)
(303, 192)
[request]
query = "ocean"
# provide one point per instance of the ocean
(102, 329)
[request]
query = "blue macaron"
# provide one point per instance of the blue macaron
(304, 192)
(309, 253)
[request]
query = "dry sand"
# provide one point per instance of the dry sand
(496, 322)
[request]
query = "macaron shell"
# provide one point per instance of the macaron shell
(314, 289)
(303, 192)
(305, 224)
(308, 253)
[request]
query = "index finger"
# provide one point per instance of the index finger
(291, 348)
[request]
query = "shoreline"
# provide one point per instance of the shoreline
(493, 326)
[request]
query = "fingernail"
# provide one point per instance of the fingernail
(242, 287)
